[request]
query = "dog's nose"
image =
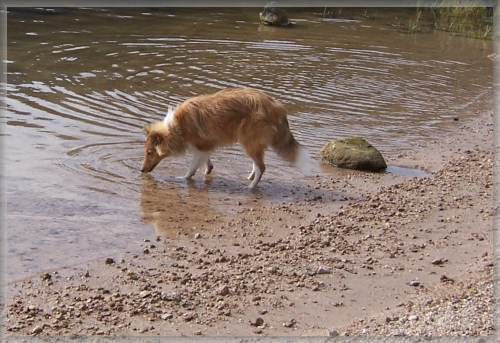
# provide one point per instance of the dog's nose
(142, 170)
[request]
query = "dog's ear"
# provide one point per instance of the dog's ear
(156, 139)
(147, 129)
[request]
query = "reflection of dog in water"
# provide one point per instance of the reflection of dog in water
(177, 212)
(205, 123)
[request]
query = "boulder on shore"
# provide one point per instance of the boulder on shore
(273, 16)
(353, 153)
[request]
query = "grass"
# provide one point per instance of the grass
(414, 26)
(468, 18)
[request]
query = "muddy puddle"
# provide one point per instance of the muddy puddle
(82, 83)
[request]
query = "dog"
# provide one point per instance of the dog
(202, 124)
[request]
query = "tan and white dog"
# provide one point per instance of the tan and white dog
(205, 123)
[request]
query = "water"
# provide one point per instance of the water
(408, 171)
(84, 82)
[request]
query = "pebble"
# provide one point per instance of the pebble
(290, 323)
(439, 261)
(323, 270)
(444, 278)
(189, 317)
(167, 316)
(37, 330)
(223, 290)
(257, 321)
(333, 333)
(46, 277)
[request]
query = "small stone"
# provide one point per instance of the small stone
(197, 333)
(323, 270)
(36, 330)
(189, 317)
(224, 290)
(272, 270)
(333, 333)
(109, 260)
(290, 324)
(444, 278)
(197, 235)
(144, 294)
(145, 251)
(257, 321)
(46, 276)
(133, 276)
(415, 283)
(167, 316)
(439, 261)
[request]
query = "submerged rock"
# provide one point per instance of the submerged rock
(273, 16)
(353, 153)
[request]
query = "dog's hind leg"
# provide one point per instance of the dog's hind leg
(199, 158)
(252, 174)
(259, 170)
(258, 166)
(209, 167)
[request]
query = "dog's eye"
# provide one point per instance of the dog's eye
(149, 152)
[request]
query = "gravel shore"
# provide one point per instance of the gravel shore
(361, 254)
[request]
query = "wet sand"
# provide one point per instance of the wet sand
(357, 254)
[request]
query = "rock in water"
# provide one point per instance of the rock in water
(274, 16)
(353, 153)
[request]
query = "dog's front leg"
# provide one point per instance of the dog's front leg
(199, 158)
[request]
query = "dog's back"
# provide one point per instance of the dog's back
(229, 116)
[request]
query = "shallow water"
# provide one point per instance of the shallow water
(82, 84)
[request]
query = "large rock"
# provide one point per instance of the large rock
(274, 16)
(353, 153)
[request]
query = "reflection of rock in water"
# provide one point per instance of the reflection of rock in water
(274, 16)
(173, 209)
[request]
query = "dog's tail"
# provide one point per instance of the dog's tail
(289, 149)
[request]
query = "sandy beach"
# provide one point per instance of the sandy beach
(356, 255)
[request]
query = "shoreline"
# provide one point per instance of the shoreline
(355, 254)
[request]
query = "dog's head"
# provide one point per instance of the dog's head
(153, 153)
